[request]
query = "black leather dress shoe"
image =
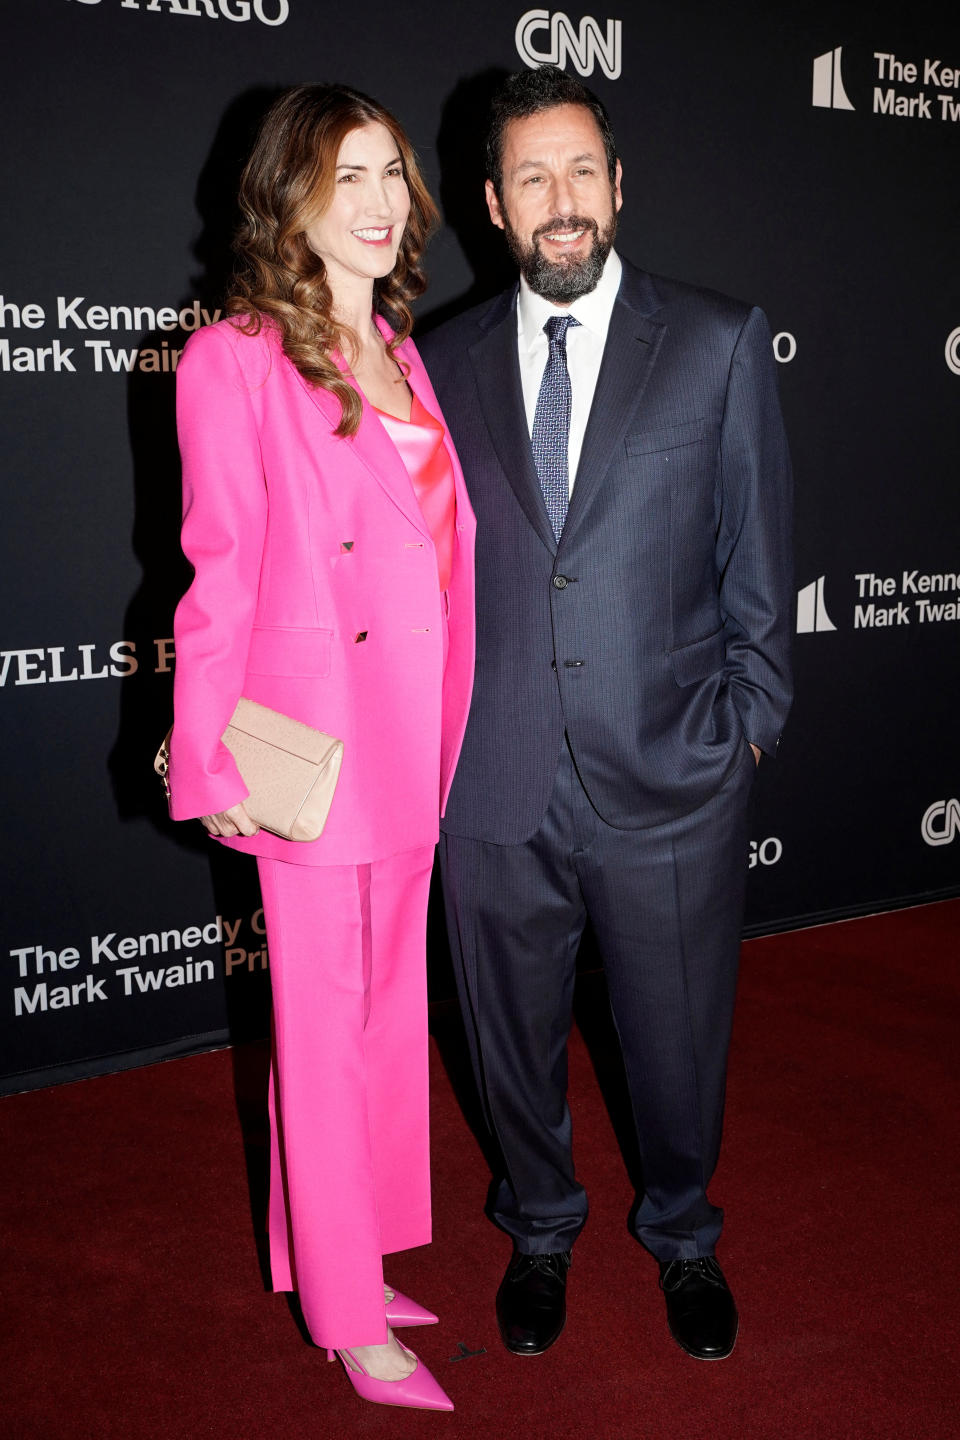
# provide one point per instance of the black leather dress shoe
(531, 1301)
(700, 1310)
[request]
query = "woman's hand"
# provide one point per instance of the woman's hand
(225, 823)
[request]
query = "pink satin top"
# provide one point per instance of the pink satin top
(420, 443)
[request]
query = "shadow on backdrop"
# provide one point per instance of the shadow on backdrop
(461, 143)
(146, 709)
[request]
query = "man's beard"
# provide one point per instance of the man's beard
(570, 276)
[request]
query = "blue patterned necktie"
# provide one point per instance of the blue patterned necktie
(551, 424)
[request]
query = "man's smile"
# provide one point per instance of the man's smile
(564, 237)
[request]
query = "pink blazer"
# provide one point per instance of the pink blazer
(315, 592)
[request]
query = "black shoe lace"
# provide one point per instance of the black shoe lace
(554, 1263)
(676, 1272)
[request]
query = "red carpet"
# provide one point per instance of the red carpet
(132, 1298)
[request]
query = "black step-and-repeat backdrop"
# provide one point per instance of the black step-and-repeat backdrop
(801, 157)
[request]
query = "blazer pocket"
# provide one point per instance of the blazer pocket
(278, 650)
(668, 437)
(698, 659)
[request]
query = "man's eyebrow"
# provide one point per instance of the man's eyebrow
(536, 164)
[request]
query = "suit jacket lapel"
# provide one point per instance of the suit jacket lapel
(633, 341)
(497, 369)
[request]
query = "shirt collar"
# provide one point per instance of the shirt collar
(593, 310)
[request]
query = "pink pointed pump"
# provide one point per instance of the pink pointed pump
(418, 1391)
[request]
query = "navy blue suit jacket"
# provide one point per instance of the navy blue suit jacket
(657, 632)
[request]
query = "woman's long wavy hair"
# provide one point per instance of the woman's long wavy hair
(287, 182)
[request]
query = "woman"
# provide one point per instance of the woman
(332, 542)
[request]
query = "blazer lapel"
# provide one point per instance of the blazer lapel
(629, 356)
(496, 366)
(372, 448)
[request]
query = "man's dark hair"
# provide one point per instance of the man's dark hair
(528, 93)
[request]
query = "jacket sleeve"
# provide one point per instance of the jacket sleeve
(754, 559)
(224, 524)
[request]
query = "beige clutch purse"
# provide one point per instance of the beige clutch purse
(289, 768)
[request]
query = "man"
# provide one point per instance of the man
(623, 449)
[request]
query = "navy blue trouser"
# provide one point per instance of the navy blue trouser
(666, 907)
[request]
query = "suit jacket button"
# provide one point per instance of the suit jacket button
(559, 582)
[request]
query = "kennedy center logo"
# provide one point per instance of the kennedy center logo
(584, 47)
(811, 610)
(828, 91)
(897, 94)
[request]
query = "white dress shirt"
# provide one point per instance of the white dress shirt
(585, 344)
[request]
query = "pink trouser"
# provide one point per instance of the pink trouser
(349, 1162)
